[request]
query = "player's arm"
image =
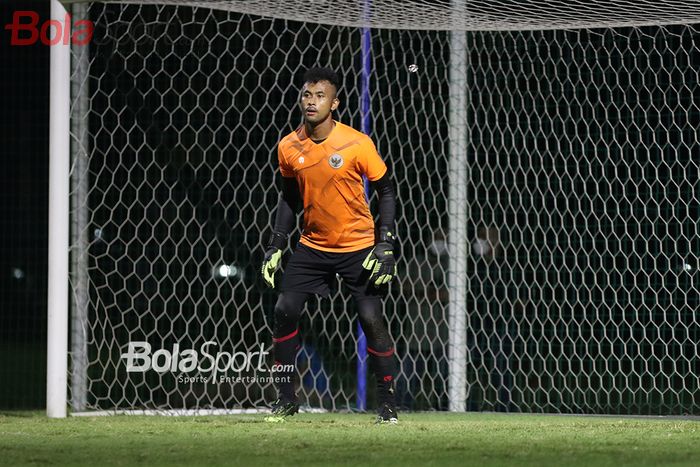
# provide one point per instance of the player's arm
(380, 261)
(387, 207)
(285, 220)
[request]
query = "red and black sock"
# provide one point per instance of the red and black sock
(384, 365)
(379, 347)
(286, 341)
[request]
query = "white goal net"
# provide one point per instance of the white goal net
(548, 207)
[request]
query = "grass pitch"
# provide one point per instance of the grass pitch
(437, 439)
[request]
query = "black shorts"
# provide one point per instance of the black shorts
(313, 271)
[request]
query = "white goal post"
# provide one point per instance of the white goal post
(545, 159)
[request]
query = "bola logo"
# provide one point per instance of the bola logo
(335, 161)
(25, 30)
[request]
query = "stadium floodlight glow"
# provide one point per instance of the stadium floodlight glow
(17, 273)
(227, 270)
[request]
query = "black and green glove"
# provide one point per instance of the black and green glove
(273, 259)
(380, 261)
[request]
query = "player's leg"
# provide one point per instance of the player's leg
(285, 339)
(379, 344)
(305, 274)
(381, 354)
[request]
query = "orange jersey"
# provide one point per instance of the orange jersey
(329, 174)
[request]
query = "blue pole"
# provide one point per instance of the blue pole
(366, 122)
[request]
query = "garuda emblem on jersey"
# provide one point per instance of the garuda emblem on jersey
(335, 161)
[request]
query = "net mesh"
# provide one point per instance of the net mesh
(585, 210)
(582, 202)
(462, 15)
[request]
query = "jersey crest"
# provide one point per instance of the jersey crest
(336, 161)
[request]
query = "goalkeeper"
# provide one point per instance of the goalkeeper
(322, 164)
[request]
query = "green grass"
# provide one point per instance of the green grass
(344, 439)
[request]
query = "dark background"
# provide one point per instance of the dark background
(24, 130)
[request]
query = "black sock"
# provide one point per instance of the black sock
(286, 342)
(285, 353)
(379, 347)
(384, 365)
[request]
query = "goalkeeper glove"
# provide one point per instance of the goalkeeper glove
(273, 259)
(380, 261)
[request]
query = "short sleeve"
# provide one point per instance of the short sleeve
(285, 169)
(369, 162)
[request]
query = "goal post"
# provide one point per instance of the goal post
(458, 206)
(542, 154)
(59, 179)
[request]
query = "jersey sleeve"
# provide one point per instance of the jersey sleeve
(285, 169)
(369, 162)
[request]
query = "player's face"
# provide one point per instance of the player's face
(318, 101)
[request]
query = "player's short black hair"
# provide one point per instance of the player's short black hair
(316, 74)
